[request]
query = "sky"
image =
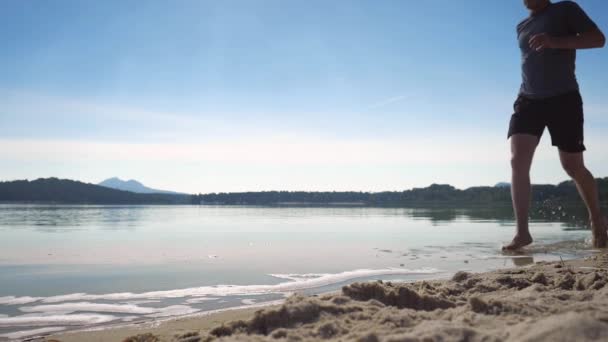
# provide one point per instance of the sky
(250, 95)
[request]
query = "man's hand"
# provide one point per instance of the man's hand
(542, 41)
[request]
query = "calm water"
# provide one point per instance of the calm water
(64, 267)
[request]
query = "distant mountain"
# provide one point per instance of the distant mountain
(133, 186)
(54, 190)
(502, 185)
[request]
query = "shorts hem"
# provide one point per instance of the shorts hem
(571, 149)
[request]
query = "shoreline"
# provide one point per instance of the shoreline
(166, 327)
(544, 301)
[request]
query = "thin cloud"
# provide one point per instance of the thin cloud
(126, 122)
(269, 151)
(21, 102)
(386, 102)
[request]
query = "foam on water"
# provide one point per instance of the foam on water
(174, 310)
(46, 313)
(296, 277)
(568, 246)
(297, 283)
(77, 319)
(82, 309)
(68, 308)
(129, 318)
(200, 300)
(12, 300)
(93, 307)
(31, 332)
(137, 302)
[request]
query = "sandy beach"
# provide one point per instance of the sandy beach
(559, 301)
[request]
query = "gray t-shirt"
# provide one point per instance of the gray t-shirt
(550, 72)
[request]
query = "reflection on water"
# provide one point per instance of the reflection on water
(192, 234)
(572, 216)
(62, 218)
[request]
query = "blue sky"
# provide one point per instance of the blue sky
(203, 96)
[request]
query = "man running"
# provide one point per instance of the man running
(549, 96)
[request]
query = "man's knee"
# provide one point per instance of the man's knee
(520, 162)
(573, 168)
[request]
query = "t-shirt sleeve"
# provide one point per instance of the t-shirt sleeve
(578, 20)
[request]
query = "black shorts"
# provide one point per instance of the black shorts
(562, 115)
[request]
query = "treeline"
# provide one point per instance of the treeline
(54, 190)
(435, 194)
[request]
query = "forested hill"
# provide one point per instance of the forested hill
(54, 190)
(435, 194)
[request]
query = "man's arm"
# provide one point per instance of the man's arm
(584, 33)
(586, 40)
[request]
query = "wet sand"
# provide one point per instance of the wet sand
(164, 330)
(540, 302)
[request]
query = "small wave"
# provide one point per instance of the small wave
(568, 246)
(312, 280)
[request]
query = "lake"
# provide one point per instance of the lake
(74, 266)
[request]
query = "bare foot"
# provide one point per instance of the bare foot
(518, 242)
(599, 234)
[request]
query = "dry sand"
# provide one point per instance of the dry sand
(541, 302)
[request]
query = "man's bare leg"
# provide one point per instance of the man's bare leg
(522, 153)
(574, 166)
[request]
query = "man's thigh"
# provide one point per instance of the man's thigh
(528, 118)
(565, 123)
